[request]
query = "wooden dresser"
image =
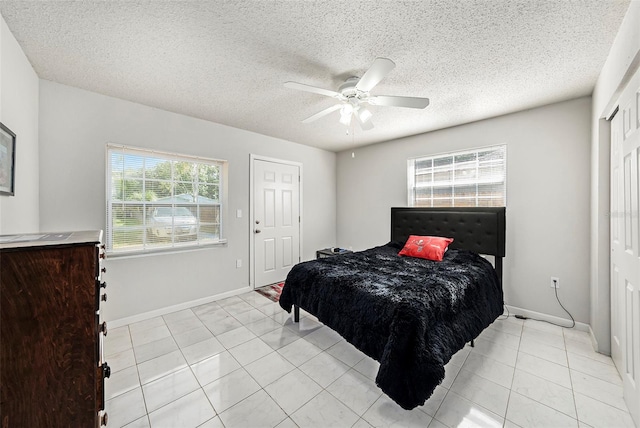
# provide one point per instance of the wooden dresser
(51, 366)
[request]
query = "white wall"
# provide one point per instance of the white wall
(19, 112)
(547, 197)
(75, 126)
(623, 60)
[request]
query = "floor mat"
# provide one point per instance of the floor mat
(271, 292)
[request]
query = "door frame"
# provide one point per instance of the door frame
(252, 159)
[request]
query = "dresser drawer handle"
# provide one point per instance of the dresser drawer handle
(103, 328)
(104, 419)
(104, 297)
(106, 370)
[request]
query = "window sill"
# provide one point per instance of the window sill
(163, 251)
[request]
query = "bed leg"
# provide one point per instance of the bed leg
(472, 343)
(296, 314)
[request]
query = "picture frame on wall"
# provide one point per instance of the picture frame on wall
(7, 161)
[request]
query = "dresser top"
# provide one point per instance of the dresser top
(29, 240)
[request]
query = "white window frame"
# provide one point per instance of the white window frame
(147, 246)
(452, 183)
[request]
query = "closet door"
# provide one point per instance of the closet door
(625, 237)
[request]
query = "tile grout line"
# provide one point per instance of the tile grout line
(191, 370)
(573, 391)
(144, 400)
(194, 375)
(169, 374)
(506, 410)
(322, 389)
(217, 414)
(243, 367)
(566, 354)
(288, 416)
(139, 381)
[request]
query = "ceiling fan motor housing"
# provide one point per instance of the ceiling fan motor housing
(349, 91)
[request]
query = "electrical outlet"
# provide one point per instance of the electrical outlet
(555, 282)
(239, 263)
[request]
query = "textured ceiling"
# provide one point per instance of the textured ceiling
(226, 61)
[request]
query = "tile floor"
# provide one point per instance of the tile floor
(242, 362)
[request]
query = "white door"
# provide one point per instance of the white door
(625, 244)
(276, 220)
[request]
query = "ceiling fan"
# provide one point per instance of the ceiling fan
(354, 92)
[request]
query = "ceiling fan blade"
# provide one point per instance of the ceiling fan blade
(312, 89)
(322, 113)
(378, 70)
(393, 101)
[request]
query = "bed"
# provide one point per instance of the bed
(411, 315)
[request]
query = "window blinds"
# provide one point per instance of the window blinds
(158, 200)
(463, 179)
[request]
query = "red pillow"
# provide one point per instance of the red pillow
(426, 247)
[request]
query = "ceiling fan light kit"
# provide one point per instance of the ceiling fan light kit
(355, 91)
(345, 114)
(364, 114)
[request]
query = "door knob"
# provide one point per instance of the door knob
(258, 231)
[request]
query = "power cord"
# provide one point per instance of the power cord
(506, 308)
(573, 321)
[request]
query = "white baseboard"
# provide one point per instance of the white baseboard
(550, 318)
(174, 308)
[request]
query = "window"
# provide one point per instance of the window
(158, 201)
(463, 179)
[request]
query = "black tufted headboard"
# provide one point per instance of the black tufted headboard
(479, 229)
